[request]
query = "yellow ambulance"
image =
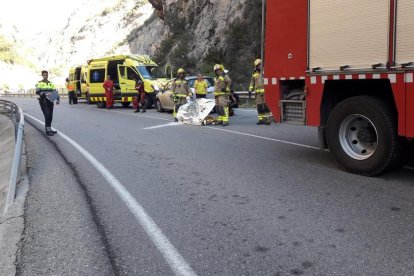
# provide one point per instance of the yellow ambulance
(124, 70)
(78, 77)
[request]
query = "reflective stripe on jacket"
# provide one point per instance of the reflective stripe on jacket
(256, 83)
(221, 83)
(44, 86)
(180, 88)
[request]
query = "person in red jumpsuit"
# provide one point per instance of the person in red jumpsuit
(109, 92)
(139, 86)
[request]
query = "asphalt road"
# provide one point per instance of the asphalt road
(241, 200)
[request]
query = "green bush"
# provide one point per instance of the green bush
(8, 52)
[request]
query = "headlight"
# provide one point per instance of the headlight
(155, 87)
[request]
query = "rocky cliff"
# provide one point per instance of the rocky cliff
(196, 34)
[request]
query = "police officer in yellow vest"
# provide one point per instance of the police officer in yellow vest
(45, 89)
(257, 85)
(180, 90)
(222, 84)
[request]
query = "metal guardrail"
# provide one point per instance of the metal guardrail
(243, 96)
(17, 116)
(26, 95)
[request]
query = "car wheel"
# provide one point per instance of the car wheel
(362, 135)
(158, 106)
(149, 102)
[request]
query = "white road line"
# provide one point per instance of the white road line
(226, 130)
(240, 133)
(245, 110)
(409, 168)
(170, 253)
(264, 138)
(166, 125)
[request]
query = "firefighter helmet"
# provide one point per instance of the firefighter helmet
(218, 67)
(257, 62)
(181, 70)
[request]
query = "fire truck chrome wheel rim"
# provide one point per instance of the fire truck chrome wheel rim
(358, 137)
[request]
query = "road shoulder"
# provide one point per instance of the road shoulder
(60, 235)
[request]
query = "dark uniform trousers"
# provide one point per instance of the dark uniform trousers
(47, 109)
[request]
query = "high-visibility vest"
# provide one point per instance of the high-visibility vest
(44, 86)
(70, 87)
(200, 87)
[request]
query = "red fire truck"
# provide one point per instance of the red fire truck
(347, 68)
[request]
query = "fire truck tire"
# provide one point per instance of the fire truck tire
(126, 104)
(101, 104)
(362, 135)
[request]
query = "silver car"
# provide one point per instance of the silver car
(164, 101)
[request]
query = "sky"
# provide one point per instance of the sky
(31, 16)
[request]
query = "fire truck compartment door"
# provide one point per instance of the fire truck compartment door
(351, 32)
(404, 32)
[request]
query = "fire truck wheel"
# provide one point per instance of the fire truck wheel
(362, 135)
(101, 104)
(126, 104)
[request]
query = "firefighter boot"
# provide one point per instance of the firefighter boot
(225, 117)
(143, 109)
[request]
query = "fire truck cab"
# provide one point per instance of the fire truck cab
(347, 68)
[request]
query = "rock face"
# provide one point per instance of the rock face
(95, 29)
(198, 33)
(207, 20)
(159, 7)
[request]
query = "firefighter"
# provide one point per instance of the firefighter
(222, 84)
(257, 85)
(71, 91)
(44, 89)
(200, 87)
(180, 91)
(139, 86)
(109, 92)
